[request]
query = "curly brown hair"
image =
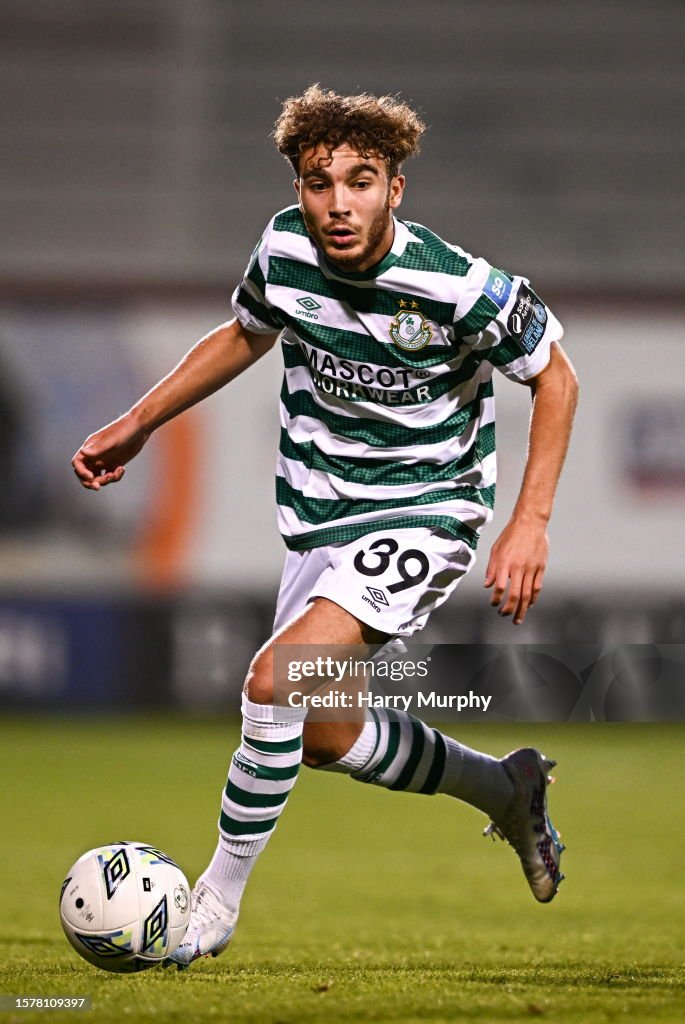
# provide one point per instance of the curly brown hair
(380, 126)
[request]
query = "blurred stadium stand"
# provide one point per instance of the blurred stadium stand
(137, 150)
(137, 174)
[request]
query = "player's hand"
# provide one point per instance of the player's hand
(518, 560)
(101, 458)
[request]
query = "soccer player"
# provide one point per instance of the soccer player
(386, 474)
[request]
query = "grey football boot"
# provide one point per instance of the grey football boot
(526, 825)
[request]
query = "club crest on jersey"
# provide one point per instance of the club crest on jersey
(410, 330)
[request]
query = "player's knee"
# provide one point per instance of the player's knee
(323, 743)
(259, 685)
(318, 756)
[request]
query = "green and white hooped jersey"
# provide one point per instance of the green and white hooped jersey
(387, 406)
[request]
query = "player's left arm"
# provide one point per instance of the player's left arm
(519, 555)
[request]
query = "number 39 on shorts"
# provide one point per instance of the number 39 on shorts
(409, 567)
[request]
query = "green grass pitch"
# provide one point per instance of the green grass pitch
(367, 905)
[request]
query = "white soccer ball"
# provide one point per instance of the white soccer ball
(125, 907)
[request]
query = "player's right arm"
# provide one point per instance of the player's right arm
(214, 361)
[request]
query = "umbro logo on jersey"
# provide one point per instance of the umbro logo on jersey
(308, 306)
(308, 303)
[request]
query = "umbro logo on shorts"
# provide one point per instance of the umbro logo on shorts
(378, 595)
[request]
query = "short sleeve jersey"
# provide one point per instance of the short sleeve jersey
(387, 406)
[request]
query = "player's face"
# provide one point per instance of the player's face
(347, 202)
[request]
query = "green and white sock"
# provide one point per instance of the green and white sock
(400, 752)
(263, 771)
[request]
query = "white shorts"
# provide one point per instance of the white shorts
(391, 579)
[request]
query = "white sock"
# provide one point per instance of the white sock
(358, 754)
(228, 873)
(263, 771)
(400, 752)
